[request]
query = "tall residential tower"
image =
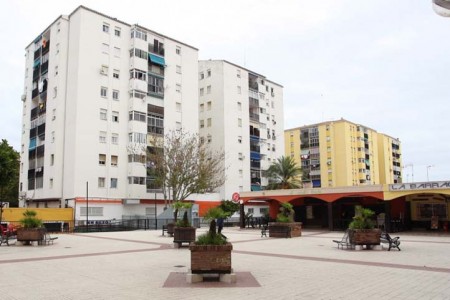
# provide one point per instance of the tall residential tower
(241, 112)
(341, 153)
(96, 89)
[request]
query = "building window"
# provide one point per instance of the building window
(117, 31)
(202, 75)
(238, 89)
(52, 159)
(208, 72)
(115, 138)
(105, 48)
(178, 106)
(178, 69)
(114, 183)
(239, 122)
(202, 123)
(178, 50)
(102, 137)
(239, 104)
(240, 139)
(178, 88)
(209, 138)
(114, 159)
(150, 211)
(103, 92)
(51, 183)
(103, 113)
(238, 73)
(208, 89)
(202, 91)
(55, 92)
(250, 211)
(136, 180)
(93, 211)
(115, 116)
(102, 159)
(115, 95)
(202, 107)
(56, 70)
(208, 122)
(106, 28)
(116, 52)
(178, 125)
(101, 182)
(208, 105)
(116, 74)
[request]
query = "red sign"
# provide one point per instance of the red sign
(236, 197)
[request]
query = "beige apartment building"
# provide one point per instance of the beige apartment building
(343, 153)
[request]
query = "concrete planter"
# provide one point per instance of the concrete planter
(280, 229)
(184, 235)
(170, 228)
(211, 258)
(365, 236)
(30, 234)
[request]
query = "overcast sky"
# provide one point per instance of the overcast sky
(384, 64)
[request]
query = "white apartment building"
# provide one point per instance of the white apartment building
(241, 112)
(95, 90)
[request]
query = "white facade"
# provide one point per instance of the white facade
(90, 104)
(240, 112)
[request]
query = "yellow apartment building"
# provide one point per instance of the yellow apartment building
(342, 153)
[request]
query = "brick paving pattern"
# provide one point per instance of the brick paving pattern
(141, 265)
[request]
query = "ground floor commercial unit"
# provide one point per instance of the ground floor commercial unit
(155, 211)
(397, 207)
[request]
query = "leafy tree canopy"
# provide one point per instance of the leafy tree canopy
(183, 165)
(284, 173)
(9, 174)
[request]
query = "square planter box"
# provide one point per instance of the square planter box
(184, 234)
(211, 258)
(280, 229)
(30, 234)
(365, 236)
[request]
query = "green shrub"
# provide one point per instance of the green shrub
(286, 213)
(362, 219)
(184, 222)
(209, 239)
(30, 220)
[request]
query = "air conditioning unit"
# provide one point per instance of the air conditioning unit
(23, 97)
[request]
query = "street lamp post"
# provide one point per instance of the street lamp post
(428, 167)
(241, 214)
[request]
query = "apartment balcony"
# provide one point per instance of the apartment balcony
(34, 93)
(253, 103)
(255, 165)
(254, 132)
(37, 54)
(44, 68)
(36, 73)
(34, 113)
(253, 94)
(254, 117)
(45, 47)
(157, 48)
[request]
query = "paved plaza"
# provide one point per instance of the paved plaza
(145, 265)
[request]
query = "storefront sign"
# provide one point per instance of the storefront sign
(420, 186)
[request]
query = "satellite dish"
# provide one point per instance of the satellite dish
(442, 7)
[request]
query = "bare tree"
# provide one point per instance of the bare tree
(182, 165)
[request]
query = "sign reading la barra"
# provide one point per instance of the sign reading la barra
(419, 186)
